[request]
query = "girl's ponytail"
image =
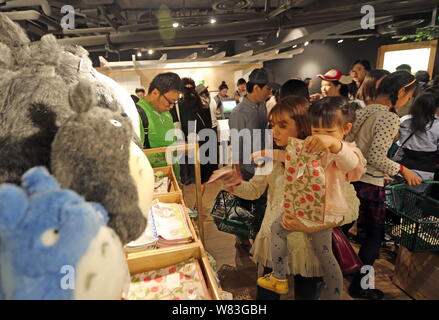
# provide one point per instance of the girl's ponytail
(392, 83)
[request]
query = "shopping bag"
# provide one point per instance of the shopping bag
(344, 253)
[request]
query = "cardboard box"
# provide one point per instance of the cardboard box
(417, 274)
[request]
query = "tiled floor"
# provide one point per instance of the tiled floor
(238, 273)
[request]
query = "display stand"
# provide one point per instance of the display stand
(153, 259)
(198, 201)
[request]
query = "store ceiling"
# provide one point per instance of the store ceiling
(262, 25)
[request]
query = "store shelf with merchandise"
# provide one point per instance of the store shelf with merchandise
(164, 262)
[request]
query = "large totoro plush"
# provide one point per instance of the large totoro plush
(94, 154)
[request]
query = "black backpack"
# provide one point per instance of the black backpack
(145, 124)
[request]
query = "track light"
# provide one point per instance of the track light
(139, 53)
(340, 41)
(212, 20)
(175, 24)
(150, 51)
(295, 46)
(306, 44)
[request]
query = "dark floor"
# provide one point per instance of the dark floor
(238, 273)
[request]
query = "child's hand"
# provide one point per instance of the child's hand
(291, 223)
(320, 142)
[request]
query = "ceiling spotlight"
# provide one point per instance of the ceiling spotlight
(362, 39)
(212, 20)
(150, 51)
(340, 41)
(139, 53)
(295, 46)
(175, 24)
(306, 44)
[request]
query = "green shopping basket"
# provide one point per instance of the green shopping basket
(418, 213)
(231, 217)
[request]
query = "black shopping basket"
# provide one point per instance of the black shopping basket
(232, 216)
(416, 226)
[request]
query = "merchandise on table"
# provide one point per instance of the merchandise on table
(183, 281)
(171, 224)
(147, 240)
(161, 183)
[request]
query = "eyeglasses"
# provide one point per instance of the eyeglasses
(170, 101)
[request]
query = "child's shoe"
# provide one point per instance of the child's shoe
(272, 283)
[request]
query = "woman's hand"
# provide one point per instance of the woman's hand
(229, 177)
(315, 96)
(320, 142)
(412, 178)
(291, 223)
(268, 154)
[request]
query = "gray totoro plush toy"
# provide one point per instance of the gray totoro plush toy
(37, 81)
(93, 153)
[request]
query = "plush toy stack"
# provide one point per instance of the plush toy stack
(56, 111)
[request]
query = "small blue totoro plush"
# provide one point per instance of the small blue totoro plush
(55, 245)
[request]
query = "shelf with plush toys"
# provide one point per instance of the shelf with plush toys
(171, 262)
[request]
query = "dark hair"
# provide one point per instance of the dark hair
(294, 87)
(344, 89)
(190, 97)
(241, 81)
(223, 86)
(297, 108)
(140, 90)
(326, 112)
(368, 90)
(364, 63)
(187, 81)
(250, 85)
(165, 82)
(392, 83)
(423, 111)
(404, 67)
(422, 76)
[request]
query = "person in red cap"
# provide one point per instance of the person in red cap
(334, 84)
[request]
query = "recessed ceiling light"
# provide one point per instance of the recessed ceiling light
(175, 24)
(212, 20)
(340, 41)
(306, 44)
(295, 46)
(150, 51)
(139, 53)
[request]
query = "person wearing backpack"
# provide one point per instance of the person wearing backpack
(155, 117)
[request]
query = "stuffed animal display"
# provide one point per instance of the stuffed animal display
(118, 176)
(58, 112)
(55, 245)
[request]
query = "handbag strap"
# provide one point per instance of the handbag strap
(411, 135)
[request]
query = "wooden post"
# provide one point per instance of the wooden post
(198, 191)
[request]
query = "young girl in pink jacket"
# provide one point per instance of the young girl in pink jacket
(315, 170)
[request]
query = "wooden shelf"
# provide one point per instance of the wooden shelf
(154, 259)
(169, 173)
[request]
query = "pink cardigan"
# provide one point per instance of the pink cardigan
(344, 167)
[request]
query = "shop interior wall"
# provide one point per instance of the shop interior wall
(213, 76)
(320, 56)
